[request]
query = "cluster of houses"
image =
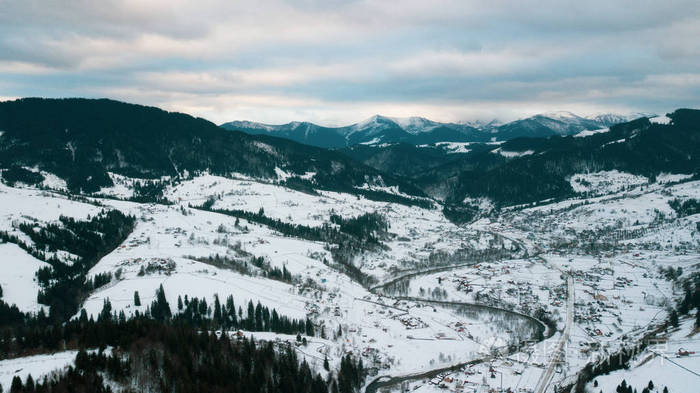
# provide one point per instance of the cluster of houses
(410, 322)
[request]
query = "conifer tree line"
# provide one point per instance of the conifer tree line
(25, 333)
(221, 315)
(623, 387)
(242, 266)
(171, 356)
(365, 230)
(158, 351)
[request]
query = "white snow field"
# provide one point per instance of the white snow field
(19, 286)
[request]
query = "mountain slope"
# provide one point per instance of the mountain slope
(80, 140)
(533, 169)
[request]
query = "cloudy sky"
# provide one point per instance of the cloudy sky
(336, 62)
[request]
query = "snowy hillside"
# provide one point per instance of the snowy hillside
(427, 271)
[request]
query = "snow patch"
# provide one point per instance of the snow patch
(308, 175)
(665, 178)
(513, 154)
(454, 147)
(484, 204)
(53, 182)
(605, 182)
(660, 120)
(614, 142)
(281, 174)
(17, 279)
(586, 133)
(265, 147)
(372, 142)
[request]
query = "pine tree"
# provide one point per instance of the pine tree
(83, 316)
(674, 318)
(326, 366)
(250, 317)
(16, 386)
(231, 306)
(29, 385)
(258, 318)
(217, 310)
(275, 321)
(106, 312)
(160, 309)
(309, 328)
(137, 299)
(179, 303)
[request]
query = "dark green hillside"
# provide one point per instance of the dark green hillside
(81, 139)
(637, 147)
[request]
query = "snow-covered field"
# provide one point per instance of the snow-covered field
(19, 286)
(37, 366)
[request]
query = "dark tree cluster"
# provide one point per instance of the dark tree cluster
(175, 356)
(685, 208)
(324, 233)
(255, 318)
(16, 174)
(690, 300)
(368, 227)
(241, 266)
(624, 387)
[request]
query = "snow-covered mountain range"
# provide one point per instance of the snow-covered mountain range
(418, 130)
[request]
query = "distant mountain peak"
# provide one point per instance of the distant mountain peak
(560, 115)
(374, 121)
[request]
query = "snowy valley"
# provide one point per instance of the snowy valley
(472, 301)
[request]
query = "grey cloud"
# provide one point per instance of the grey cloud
(324, 58)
